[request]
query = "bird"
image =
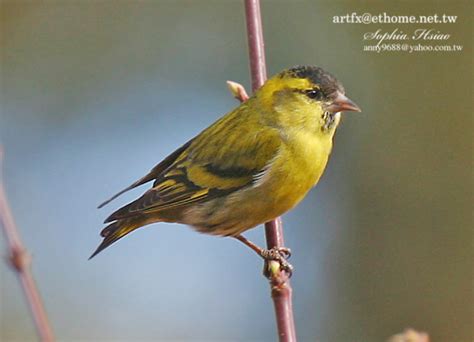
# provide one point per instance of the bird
(252, 165)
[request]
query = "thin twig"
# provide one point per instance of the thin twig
(20, 261)
(280, 285)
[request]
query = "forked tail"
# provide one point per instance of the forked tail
(117, 230)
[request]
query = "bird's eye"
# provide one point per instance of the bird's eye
(314, 94)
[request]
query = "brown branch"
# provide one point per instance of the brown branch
(279, 281)
(20, 261)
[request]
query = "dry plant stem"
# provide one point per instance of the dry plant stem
(280, 285)
(20, 261)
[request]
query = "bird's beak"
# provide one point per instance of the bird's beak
(342, 103)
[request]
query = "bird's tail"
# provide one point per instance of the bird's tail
(118, 229)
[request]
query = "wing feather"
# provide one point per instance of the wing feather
(208, 167)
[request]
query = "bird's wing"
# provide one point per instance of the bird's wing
(213, 165)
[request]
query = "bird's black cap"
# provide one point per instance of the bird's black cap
(328, 83)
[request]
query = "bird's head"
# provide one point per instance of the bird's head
(307, 96)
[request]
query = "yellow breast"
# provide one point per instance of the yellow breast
(297, 168)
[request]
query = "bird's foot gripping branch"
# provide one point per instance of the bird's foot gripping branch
(275, 258)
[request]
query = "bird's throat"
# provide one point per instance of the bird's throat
(331, 120)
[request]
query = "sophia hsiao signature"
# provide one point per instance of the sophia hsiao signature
(397, 35)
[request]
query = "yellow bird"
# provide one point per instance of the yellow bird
(250, 166)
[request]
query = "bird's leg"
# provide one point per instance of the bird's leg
(279, 254)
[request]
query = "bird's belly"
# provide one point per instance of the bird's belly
(285, 186)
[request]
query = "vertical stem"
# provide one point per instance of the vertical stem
(280, 285)
(20, 261)
(258, 69)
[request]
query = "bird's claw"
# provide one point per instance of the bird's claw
(280, 255)
(276, 253)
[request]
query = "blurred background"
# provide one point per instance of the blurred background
(95, 93)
